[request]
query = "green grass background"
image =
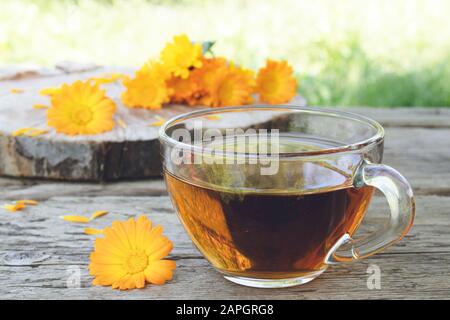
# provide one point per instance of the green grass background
(345, 52)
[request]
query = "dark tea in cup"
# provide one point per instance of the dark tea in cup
(267, 235)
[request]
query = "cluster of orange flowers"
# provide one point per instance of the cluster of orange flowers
(185, 75)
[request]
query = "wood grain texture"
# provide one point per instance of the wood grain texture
(38, 250)
(417, 267)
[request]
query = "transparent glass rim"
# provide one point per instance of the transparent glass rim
(359, 145)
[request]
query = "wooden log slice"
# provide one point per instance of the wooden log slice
(129, 152)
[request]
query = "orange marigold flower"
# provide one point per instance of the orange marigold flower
(148, 88)
(181, 55)
(81, 108)
(184, 90)
(275, 82)
(230, 86)
(130, 254)
(204, 76)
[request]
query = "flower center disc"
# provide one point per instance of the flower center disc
(136, 262)
(82, 115)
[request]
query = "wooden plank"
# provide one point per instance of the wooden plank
(421, 154)
(417, 267)
(401, 278)
(411, 117)
(43, 189)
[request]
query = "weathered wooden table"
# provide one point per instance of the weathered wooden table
(41, 255)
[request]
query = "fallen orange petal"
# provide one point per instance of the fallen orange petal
(77, 219)
(28, 202)
(98, 214)
(108, 78)
(213, 117)
(93, 231)
(40, 106)
(21, 131)
(49, 91)
(14, 207)
(121, 123)
(158, 123)
(29, 132)
(16, 90)
(35, 132)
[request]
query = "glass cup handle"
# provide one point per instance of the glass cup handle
(400, 198)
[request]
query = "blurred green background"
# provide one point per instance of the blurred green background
(347, 52)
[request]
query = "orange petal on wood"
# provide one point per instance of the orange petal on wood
(93, 231)
(28, 202)
(35, 132)
(121, 123)
(98, 214)
(49, 91)
(21, 131)
(213, 117)
(14, 207)
(77, 219)
(160, 121)
(40, 106)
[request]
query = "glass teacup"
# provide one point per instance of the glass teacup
(272, 195)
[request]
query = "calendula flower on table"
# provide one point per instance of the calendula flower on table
(148, 88)
(205, 75)
(275, 82)
(230, 86)
(184, 90)
(81, 108)
(130, 254)
(181, 55)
